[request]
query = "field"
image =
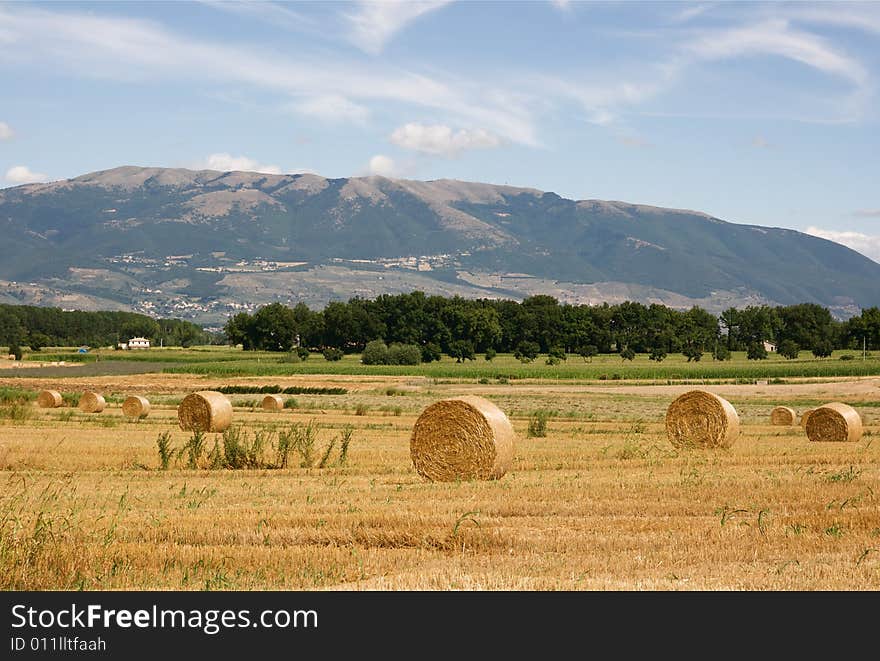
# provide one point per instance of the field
(601, 502)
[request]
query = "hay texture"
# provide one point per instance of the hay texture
(49, 399)
(92, 402)
(835, 422)
(464, 438)
(273, 403)
(206, 411)
(136, 407)
(806, 416)
(783, 416)
(701, 419)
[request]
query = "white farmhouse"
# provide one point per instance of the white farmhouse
(138, 343)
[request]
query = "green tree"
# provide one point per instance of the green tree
(461, 350)
(557, 352)
(721, 352)
(527, 351)
(37, 341)
(404, 354)
(332, 354)
(628, 353)
(431, 352)
(788, 349)
(490, 354)
(823, 349)
(15, 350)
(588, 352)
(756, 351)
(657, 353)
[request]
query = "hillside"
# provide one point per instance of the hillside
(200, 244)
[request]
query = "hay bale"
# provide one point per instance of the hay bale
(835, 422)
(136, 407)
(783, 416)
(92, 402)
(806, 416)
(49, 399)
(464, 438)
(206, 410)
(273, 403)
(701, 419)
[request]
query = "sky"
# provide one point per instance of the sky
(759, 113)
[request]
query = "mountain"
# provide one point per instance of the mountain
(200, 244)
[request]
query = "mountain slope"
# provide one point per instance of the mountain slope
(200, 242)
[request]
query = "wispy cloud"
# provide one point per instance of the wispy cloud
(777, 37)
(22, 174)
(867, 213)
(866, 244)
(859, 15)
(229, 163)
(441, 140)
(133, 50)
(6, 132)
(277, 14)
(375, 22)
(334, 108)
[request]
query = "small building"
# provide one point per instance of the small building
(769, 347)
(138, 343)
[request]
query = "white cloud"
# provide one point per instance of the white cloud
(229, 163)
(866, 244)
(863, 15)
(333, 107)
(776, 37)
(6, 132)
(381, 165)
(441, 140)
(134, 50)
(376, 21)
(562, 5)
(22, 174)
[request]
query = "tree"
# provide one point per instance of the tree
(461, 350)
(490, 354)
(239, 330)
(788, 349)
(756, 351)
(557, 352)
(431, 352)
(37, 341)
(692, 352)
(657, 353)
(333, 354)
(303, 353)
(527, 351)
(721, 353)
(273, 328)
(823, 349)
(588, 351)
(628, 353)
(375, 353)
(15, 350)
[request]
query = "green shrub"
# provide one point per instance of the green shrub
(628, 354)
(302, 352)
(527, 351)
(404, 354)
(333, 354)
(490, 354)
(375, 353)
(788, 349)
(823, 349)
(657, 354)
(431, 352)
(847, 356)
(538, 424)
(721, 353)
(756, 351)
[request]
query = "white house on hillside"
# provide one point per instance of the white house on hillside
(138, 343)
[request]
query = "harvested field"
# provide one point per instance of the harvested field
(602, 502)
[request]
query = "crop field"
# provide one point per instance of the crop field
(596, 500)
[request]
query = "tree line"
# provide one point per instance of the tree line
(37, 327)
(540, 324)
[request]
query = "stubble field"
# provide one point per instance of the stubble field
(603, 501)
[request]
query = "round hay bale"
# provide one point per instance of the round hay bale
(835, 422)
(136, 407)
(273, 403)
(92, 402)
(463, 438)
(784, 416)
(49, 399)
(806, 416)
(206, 410)
(701, 419)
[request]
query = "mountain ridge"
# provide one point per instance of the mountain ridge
(203, 243)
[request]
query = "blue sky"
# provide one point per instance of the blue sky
(761, 113)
